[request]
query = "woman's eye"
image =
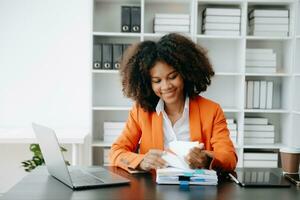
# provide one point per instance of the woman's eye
(173, 76)
(155, 81)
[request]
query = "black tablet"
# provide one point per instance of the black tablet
(258, 177)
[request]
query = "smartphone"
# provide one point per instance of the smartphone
(295, 178)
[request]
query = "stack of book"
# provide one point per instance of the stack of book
(171, 175)
(112, 130)
(221, 21)
(166, 23)
(258, 131)
(259, 159)
(260, 61)
(259, 94)
(232, 127)
(268, 22)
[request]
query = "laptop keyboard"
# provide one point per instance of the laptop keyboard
(83, 178)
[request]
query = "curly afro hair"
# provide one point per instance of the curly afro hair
(187, 58)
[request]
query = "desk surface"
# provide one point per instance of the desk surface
(39, 185)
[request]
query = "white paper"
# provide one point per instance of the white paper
(181, 149)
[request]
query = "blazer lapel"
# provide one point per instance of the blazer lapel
(195, 121)
(157, 131)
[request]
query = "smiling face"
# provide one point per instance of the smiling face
(167, 83)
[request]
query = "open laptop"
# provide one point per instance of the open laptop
(258, 177)
(74, 177)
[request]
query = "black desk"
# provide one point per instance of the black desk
(39, 185)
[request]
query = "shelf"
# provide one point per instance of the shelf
(231, 110)
(298, 36)
(268, 74)
(228, 74)
(298, 74)
(116, 34)
(159, 35)
(221, 1)
(101, 143)
(111, 108)
(296, 112)
(219, 37)
(273, 2)
(103, 71)
(264, 146)
(249, 37)
(266, 111)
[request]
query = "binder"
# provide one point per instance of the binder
(117, 53)
(136, 19)
(125, 18)
(107, 56)
(97, 56)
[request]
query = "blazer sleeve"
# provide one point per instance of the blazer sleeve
(224, 156)
(122, 153)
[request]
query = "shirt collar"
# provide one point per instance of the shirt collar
(160, 105)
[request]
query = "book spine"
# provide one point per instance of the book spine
(261, 156)
(260, 69)
(250, 87)
(259, 134)
(160, 28)
(260, 163)
(269, 20)
(260, 56)
(260, 63)
(263, 95)
(256, 94)
(219, 32)
(171, 16)
(258, 127)
(256, 121)
(254, 141)
(269, 104)
(259, 51)
(222, 19)
(268, 13)
(221, 26)
(168, 21)
(223, 11)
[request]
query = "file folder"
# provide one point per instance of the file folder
(97, 56)
(125, 18)
(136, 19)
(117, 53)
(107, 56)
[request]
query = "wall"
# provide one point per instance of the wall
(45, 54)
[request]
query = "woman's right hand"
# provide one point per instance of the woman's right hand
(153, 160)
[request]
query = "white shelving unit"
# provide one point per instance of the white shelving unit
(227, 54)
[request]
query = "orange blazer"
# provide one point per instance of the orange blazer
(207, 125)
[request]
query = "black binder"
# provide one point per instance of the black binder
(97, 56)
(117, 53)
(125, 18)
(107, 56)
(136, 19)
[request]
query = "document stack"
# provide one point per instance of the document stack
(260, 61)
(112, 130)
(259, 94)
(258, 131)
(259, 159)
(232, 127)
(268, 22)
(221, 21)
(179, 171)
(172, 175)
(166, 23)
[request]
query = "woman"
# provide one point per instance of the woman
(165, 79)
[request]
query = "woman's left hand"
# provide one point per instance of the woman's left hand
(198, 158)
